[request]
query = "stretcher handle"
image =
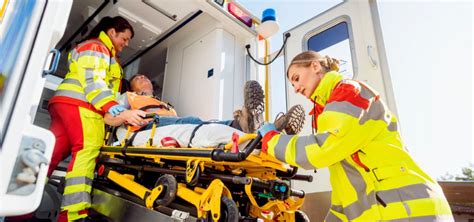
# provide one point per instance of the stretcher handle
(221, 155)
(297, 193)
(302, 177)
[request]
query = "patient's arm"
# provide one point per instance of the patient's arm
(132, 117)
(113, 121)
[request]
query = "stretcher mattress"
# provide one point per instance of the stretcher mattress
(207, 135)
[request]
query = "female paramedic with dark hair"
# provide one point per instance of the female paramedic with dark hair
(373, 177)
(88, 92)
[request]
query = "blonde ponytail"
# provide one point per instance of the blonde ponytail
(304, 59)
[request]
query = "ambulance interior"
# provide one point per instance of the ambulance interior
(193, 51)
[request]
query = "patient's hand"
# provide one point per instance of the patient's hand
(133, 117)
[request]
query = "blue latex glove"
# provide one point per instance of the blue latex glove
(116, 109)
(267, 127)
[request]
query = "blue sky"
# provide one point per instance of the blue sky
(429, 53)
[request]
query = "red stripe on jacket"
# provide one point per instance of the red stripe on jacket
(348, 92)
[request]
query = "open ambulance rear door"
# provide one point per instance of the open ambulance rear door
(28, 31)
(350, 32)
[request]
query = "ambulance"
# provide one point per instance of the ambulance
(195, 52)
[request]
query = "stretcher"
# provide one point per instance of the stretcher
(229, 181)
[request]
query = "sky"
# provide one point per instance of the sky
(429, 52)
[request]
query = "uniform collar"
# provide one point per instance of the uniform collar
(107, 42)
(328, 83)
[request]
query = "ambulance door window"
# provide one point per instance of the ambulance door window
(334, 41)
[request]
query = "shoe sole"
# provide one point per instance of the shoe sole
(253, 102)
(296, 120)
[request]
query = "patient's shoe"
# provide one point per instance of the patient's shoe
(250, 117)
(292, 122)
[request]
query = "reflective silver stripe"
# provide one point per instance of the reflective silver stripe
(393, 126)
(406, 193)
(351, 82)
(78, 180)
(407, 208)
(344, 107)
(111, 85)
(376, 111)
(101, 55)
(303, 141)
(330, 217)
(113, 61)
(96, 85)
(101, 96)
(366, 93)
(364, 201)
(301, 155)
(75, 198)
(72, 81)
(354, 177)
(431, 218)
(280, 148)
(73, 54)
(321, 138)
(89, 76)
(363, 204)
(337, 208)
(71, 94)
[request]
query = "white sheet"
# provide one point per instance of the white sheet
(208, 135)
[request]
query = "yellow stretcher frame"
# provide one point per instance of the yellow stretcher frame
(261, 166)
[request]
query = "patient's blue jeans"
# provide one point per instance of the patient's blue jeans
(171, 120)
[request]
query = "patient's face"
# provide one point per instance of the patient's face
(142, 85)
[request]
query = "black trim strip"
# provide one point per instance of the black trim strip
(170, 152)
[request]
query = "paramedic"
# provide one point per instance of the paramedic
(88, 92)
(372, 175)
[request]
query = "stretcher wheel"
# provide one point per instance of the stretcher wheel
(229, 211)
(301, 216)
(170, 187)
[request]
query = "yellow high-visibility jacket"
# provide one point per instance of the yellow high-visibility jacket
(373, 177)
(94, 76)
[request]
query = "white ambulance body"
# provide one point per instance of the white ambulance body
(193, 50)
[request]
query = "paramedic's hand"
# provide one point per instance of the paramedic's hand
(267, 127)
(134, 117)
(267, 131)
(115, 110)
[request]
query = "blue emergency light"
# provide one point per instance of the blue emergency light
(269, 26)
(268, 15)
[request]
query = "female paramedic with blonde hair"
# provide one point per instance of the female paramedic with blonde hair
(88, 92)
(373, 177)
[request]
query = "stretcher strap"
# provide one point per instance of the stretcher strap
(128, 143)
(194, 132)
(154, 107)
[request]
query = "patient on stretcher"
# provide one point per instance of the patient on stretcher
(191, 130)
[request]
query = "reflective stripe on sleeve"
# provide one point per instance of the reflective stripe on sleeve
(301, 145)
(280, 148)
(102, 95)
